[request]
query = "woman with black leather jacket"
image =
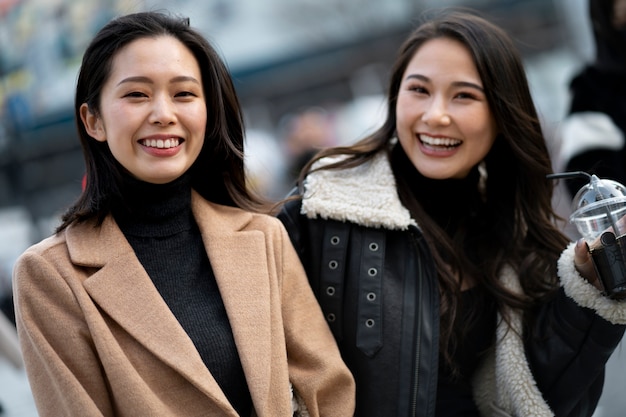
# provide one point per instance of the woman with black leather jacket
(432, 249)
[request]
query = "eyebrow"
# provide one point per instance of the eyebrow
(142, 79)
(456, 83)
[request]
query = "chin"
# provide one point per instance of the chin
(438, 174)
(161, 180)
(434, 174)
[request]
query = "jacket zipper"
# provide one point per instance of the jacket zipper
(418, 340)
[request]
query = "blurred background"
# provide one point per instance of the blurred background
(309, 74)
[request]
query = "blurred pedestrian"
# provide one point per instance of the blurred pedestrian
(432, 248)
(305, 133)
(594, 132)
(162, 292)
(9, 347)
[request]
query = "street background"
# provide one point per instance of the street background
(309, 73)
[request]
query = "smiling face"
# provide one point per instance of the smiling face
(443, 120)
(152, 109)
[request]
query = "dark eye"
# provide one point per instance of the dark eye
(185, 94)
(135, 94)
(465, 95)
(418, 89)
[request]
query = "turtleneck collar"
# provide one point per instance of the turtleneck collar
(154, 210)
(446, 201)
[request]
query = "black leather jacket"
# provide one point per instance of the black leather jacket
(374, 278)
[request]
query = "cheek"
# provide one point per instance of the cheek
(118, 118)
(201, 122)
(196, 125)
(481, 125)
(485, 139)
(196, 118)
(408, 110)
(402, 115)
(116, 109)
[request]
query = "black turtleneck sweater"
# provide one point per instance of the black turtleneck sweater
(159, 225)
(456, 206)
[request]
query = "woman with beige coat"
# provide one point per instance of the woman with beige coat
(163, 293)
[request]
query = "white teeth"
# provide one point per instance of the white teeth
(448, 142)
(160, 143)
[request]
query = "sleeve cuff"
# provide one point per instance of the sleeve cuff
(586, 295)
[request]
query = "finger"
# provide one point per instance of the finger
(584, 263)
(581, 253)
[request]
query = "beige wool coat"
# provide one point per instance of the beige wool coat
(98, 339)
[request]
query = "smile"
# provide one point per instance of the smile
(447, 143)
(160, 143)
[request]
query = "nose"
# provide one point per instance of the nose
(436, 113)
(163, 112)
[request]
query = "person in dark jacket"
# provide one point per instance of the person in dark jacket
(432, 248)
(594, 132)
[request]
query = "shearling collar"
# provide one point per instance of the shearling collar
(365, 195)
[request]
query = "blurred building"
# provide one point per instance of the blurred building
(285, 56)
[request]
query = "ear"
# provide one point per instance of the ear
(93, 123)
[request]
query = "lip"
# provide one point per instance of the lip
(161, 144)
(437, 145)
(160, 137)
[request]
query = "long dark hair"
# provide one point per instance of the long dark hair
(218, 172)
(518, 195)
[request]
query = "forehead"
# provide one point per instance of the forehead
(154, 54)
(443, 56)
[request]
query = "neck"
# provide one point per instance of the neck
(446, 201)
(153, 209)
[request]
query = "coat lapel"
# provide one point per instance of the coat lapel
(239, 260)
(123, 289)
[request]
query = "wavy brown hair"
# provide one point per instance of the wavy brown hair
(217, 174)
(521, 228)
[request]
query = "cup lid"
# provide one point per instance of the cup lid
(598, 190)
